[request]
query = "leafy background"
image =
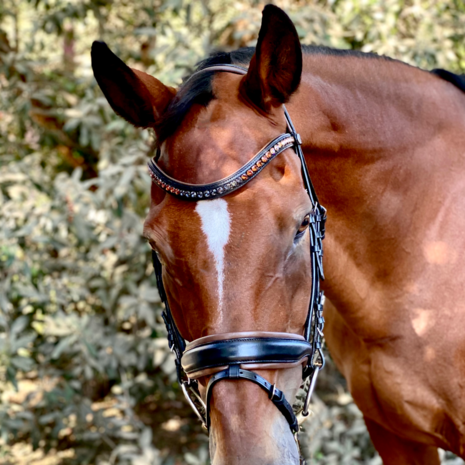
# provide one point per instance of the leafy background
(85, 374)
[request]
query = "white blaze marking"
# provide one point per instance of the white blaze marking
(216, 225)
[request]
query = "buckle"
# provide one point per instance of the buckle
(310, 391)
(184, 385)
(274, 397)
(273, 391)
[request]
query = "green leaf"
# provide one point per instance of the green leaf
(63, 345)
(22, 341)
(22, 363)
(47, 418)
(19, 325)
(72, 124)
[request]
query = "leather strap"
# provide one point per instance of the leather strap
(244, 350)
(275, 395)
(229, 68)
(226, 185)
(241, 334)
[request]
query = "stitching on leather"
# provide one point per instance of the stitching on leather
(256, 339)
(240, 363)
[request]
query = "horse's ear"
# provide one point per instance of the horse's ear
(276, 67)
(136, 96)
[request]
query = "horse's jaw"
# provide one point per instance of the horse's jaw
(246, 428)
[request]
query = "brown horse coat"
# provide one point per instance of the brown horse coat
(384, 143)
(389, 165)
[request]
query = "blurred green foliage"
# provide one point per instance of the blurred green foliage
(85, 374)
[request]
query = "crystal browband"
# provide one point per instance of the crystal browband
(225, 185)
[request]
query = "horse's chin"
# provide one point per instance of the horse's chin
(268, 442)
(279, 450)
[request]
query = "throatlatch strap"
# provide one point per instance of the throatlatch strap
(275, 395)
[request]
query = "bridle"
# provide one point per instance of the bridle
(224, 356)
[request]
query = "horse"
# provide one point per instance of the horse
(384, 144)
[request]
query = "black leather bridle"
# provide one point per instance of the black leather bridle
(224, 356)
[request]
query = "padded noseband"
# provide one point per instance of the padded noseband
(272, 348)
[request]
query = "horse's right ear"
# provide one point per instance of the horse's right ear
(136, 96)
(276, 67)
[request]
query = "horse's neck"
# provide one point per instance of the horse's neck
(374, 137)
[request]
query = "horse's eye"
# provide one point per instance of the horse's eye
(153, 246)
(304, 225)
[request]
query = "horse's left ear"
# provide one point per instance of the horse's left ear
(136, 96)
(275, 69)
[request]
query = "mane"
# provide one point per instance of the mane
(457, 79)
(197, 89)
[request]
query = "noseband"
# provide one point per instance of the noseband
(225, 356)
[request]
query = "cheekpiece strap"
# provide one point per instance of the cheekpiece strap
(176, 342)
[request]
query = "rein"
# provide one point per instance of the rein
(225, 356)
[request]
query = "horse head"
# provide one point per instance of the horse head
(235, 268)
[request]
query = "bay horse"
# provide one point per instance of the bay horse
(384, 143)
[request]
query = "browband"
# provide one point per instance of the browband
(226, 185)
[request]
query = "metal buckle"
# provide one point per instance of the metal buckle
(311, 388)
(273, 391)
(184, 386)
